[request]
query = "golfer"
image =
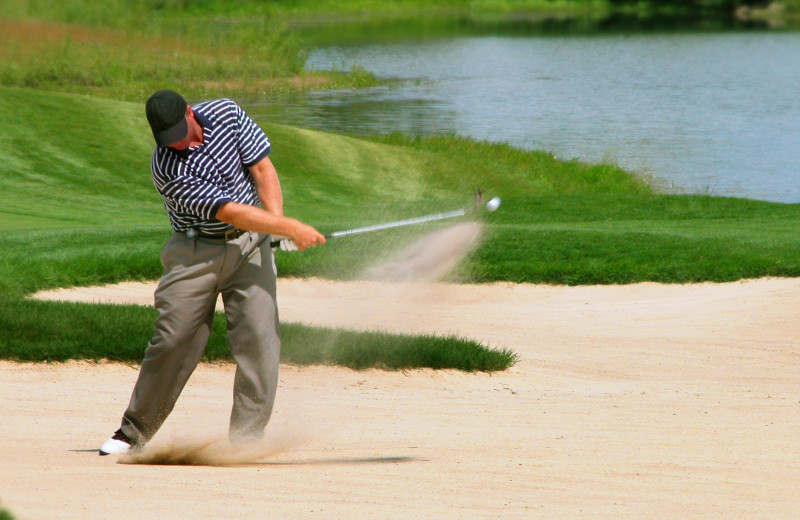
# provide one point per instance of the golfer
(223, 198)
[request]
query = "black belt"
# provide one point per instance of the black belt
(230, 234)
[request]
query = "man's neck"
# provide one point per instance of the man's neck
(195, 133)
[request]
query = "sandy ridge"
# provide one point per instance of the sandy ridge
(640, 401)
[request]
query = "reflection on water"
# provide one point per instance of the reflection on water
(405, 108)
(714, 113)
(370, 29)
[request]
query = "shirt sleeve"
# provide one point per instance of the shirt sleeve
(252, 143)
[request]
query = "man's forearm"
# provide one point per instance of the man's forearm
(256, 219)
(268, 186)
(260, 220)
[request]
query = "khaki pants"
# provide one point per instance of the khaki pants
(196, 271)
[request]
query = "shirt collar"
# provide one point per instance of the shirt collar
(203, 120)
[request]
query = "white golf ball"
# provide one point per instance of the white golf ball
(493, 204)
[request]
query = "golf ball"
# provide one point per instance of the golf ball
(493, 204)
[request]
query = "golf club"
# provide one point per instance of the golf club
(387, 225)
(287, 245)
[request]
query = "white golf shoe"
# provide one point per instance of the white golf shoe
(119, 443)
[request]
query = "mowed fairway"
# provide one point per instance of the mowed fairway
(639, 401)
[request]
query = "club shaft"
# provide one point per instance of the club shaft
(398, 223)
(389, 225)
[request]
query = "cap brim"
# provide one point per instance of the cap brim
(172, 135)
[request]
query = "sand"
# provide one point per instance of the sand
(639, 401)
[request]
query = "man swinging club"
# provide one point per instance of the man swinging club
(223, 198)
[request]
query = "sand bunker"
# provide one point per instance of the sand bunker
(641, 401)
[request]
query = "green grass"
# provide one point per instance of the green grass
(76, 155)
(361, 350)
(37, 331)
(561, 222)
(78, 194)
(119, 13)
(5, 514)
(619, 239)
(73, 51)
(100, 221)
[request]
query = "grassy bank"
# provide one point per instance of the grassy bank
(193, 57)
(561, 222)
(77, 189)
(84, 212)
(618, 239)
(203, 48)
(122, 13)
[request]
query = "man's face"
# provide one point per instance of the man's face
(184, 143)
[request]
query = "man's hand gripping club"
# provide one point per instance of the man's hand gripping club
(255, 219)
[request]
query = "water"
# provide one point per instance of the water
(703, 113)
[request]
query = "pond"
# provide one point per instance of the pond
(715, 113)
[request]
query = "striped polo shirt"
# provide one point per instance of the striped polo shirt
(196, 182)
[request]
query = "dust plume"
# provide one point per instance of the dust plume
(211, 451)
(430, 258)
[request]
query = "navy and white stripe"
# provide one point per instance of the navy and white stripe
(195, 183)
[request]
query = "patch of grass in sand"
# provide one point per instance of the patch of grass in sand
(39, 331)
(362, 350)
(5, 514)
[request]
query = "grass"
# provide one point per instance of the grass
(203, 48)
(104, 223)
(213, 48)
(561, 222)
(37, 331)
(5, 514)
(201, 58)
(78, 193)
(120, 13)
(626, 239)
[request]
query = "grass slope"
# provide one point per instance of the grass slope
(77, 188)
(70, 159)
(105, 55)
(83, 211)
(120, 12)
(77, 195)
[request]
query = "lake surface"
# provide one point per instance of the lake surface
(703, 113)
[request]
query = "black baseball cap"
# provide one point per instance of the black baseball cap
(166, 113)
